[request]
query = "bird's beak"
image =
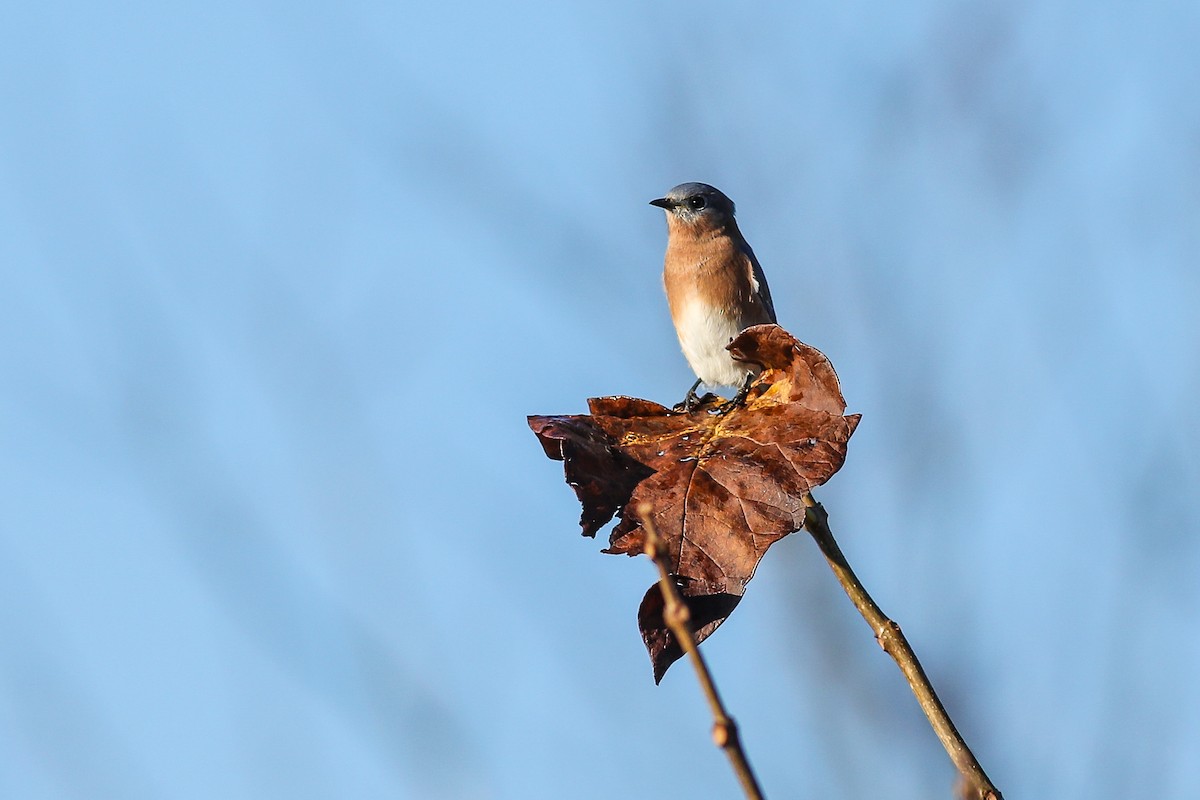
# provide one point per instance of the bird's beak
(663, 202)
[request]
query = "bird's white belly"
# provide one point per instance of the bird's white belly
(703, 333)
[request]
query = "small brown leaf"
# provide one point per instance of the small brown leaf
(723, 488)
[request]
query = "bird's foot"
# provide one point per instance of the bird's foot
(738, 400)
(690, 401)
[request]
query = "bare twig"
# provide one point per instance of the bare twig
(678, 619)
(975, 784)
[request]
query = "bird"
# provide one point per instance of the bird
(715, 287)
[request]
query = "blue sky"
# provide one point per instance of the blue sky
(281, 283)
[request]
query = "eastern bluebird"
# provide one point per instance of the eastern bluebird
(715, 287)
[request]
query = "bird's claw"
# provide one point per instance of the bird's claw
(690, 401)
(738, 400)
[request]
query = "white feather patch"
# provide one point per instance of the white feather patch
(703, 333)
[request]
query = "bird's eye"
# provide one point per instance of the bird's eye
(696, 202)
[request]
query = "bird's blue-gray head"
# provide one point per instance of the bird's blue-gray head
(696, 202)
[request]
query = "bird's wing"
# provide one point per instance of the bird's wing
(758, 280)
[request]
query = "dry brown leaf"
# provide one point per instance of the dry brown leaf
(722, 488)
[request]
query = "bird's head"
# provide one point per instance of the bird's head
(696, 205)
